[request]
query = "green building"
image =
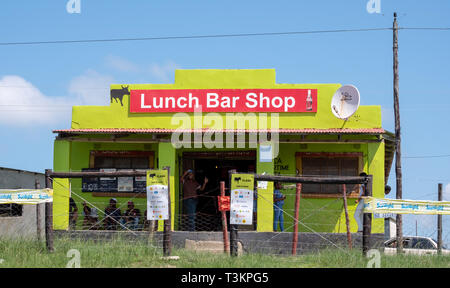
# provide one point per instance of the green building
(245, 115)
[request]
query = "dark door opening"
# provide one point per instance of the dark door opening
(215, 167)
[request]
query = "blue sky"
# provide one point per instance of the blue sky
(46, 80)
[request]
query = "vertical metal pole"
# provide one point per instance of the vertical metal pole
(439, 222)
(167, 236)
(37, 185)
(49, 215)
(367, 218)
(226, 244)
(347, 221)
(298, 191)
(233, 233)
(398, 163)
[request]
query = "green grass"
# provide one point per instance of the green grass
(122, 253)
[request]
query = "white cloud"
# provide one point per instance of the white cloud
(157, 72)
(121, 64)
(22, 104)
(91, 88)
(164, 72)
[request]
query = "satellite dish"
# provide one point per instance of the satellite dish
(345, 102)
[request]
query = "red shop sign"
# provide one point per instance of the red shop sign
(223, 100)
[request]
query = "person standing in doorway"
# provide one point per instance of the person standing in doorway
(359, 211)
(278, 202)
(190, 196)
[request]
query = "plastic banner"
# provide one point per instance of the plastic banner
(26, 196)
(224, 203)
(241, 202)
(157, 195)
(401, 206)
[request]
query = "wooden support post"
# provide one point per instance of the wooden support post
(233, 233)
(439, 222)
(367, 219)
(233, 240)
(167, 236)
(347, 220)
(226, 244)
(49, 215)
(398, 157)
(298, 190)
(37, 185)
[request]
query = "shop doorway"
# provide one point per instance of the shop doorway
(215, 167)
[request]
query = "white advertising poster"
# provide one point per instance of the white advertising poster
(157, 195)
(125, 184)
(241, 200)
(265, 153)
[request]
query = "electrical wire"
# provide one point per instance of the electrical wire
(190, 37)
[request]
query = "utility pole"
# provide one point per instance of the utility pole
(398, 163)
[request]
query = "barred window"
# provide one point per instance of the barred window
(11, 210)
(328, 164)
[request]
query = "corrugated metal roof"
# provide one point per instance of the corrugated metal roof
(164, 130)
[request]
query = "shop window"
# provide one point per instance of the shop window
(328, 164)
(11, 210)
(114, 161)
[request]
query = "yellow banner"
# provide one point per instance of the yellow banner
(26, 196)
(401, 206)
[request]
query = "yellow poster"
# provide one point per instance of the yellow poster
(157, 195)
(241, 202)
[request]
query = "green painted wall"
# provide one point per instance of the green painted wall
(328, 215)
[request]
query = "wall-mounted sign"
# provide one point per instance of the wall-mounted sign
(265, 153)
(241, 202)
(157, 195)
(223, 100)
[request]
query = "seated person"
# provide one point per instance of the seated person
(73, 213)
(112, 215)
(90, 220)
(86, 216)
(131, 217)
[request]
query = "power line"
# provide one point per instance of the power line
(425, 28)
(430, 156)
(191, 37)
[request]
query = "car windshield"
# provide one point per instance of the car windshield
(443, 245)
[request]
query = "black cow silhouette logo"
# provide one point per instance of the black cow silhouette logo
(237, 179)
(117, 94)
(152, 175)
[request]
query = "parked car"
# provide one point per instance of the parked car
(416, 245)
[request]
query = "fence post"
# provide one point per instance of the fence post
(347, 221)
(37, 185)
(298, 190)
(367, 218)
(226, 245)
(49, 214)
(233, 229)
(167, 236)
(439, 222)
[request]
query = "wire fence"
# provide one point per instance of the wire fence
(321, 226)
